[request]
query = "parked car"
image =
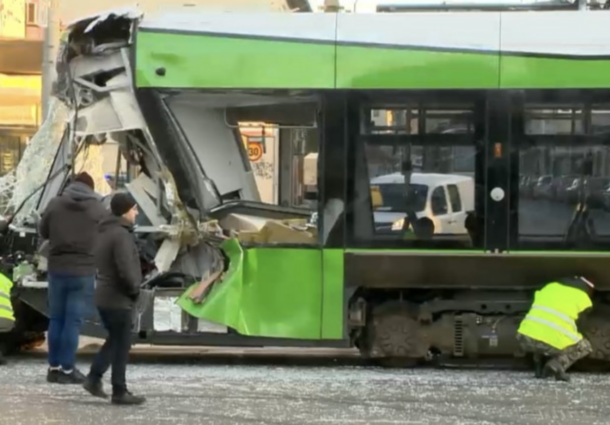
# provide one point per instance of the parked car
(596, 188)
(572, 191)
(542, 188)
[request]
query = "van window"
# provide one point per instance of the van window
(393, 197)
(439, 201)
(454, 198)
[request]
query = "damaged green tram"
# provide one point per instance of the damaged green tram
(463, 161)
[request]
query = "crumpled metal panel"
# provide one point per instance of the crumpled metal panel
(245, 298)
(127, 12)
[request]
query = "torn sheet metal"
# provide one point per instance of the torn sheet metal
(78, 56)
(167, 254)
(199, 292)
(102, 118)
(211, 327)
(202, 260)
(145, 202)
(128, 12)
(84, 66)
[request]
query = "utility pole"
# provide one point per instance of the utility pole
(49, 53)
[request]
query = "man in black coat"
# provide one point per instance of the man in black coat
(116, 293)
(69, 223)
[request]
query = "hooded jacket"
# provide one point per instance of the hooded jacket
(118, 262)
(70, 224)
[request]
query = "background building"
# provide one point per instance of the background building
(20, 83)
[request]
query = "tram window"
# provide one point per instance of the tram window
(405, 160)
(414, 121)
(564, 192)
(563, 120)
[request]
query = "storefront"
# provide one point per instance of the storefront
(19, 116)
(12, 144)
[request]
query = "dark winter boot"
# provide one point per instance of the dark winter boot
(94, 387)
(562, 375)
(554, 369)
(123, 397)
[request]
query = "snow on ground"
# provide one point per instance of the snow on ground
(230, 395)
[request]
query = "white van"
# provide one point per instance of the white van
(444, 198)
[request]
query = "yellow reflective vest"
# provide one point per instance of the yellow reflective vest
(552, 317)
(6, 307)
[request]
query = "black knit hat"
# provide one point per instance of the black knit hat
(121, 203)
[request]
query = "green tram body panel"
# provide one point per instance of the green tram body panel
(285, 292)
(231, 62)
(276, 292)
(396, 51)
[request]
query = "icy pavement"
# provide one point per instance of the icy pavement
(232, 395)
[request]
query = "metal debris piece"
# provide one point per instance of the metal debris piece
(200, 291)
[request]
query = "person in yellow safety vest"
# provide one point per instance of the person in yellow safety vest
(550, 331)
(7, 316)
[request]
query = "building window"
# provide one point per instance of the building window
(31, 14)
(12, 145)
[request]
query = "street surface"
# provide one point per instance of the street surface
(233, 395)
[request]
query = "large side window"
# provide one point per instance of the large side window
(405, 156)
(564, 166)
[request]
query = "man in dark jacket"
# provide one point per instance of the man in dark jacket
(116, 293)
(69, 223)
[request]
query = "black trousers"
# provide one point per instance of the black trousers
(115, 351)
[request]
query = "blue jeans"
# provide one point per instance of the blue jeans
(69, 298)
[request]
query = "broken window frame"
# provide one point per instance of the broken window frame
(279, 97)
